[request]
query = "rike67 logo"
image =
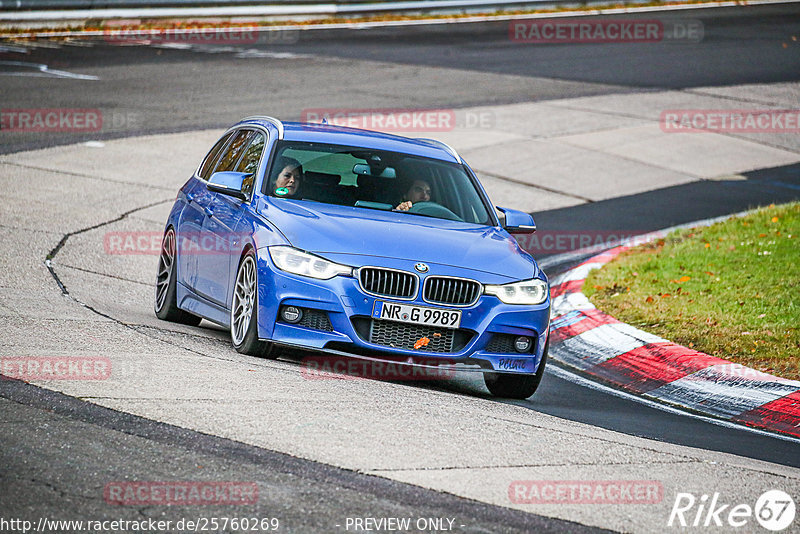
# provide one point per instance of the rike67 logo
(774, 510)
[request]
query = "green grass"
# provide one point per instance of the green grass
(731, 290)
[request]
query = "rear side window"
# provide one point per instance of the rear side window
(213, 157)
(249, 162)
(234, 151)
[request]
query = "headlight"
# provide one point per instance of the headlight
(526, 292)
(298, 262)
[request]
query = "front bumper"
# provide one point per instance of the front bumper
(486, 326)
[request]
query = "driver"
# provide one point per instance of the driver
(419, 191)
(287, 183)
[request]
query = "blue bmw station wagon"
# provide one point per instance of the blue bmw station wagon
(346, 241)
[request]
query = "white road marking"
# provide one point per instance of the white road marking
(169, 46)
(252, 53)
(41, 70)
(13, 49)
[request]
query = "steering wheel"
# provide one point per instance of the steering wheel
(433, 209)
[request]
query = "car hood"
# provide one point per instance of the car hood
(340, 232)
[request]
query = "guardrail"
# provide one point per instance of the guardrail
(145, 10)
(39, 5)
(26, 5)
(22, 10)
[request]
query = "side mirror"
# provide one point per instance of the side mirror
(229, 183)
(517, 222)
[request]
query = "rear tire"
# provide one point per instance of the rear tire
(516, 386)
(166, 306)
(244, 311)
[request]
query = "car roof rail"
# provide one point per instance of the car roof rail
(440, 144)
(272, 120)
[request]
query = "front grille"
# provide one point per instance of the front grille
(388, 282)
(404, 336)
(453, 291)
(316, 320)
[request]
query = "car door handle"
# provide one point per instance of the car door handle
(209, 211)
(189, 197)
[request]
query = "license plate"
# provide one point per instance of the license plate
(406, 313)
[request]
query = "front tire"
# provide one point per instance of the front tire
(166, 306)
(516, 386)
(244, 311)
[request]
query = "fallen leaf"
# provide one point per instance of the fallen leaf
(762, 315)
(762, 235)
(684, 279)
(437, 334)
(709, 273)
(708, 245)
(774, 219)
(665, 295)
(421, 342)
(649, 299)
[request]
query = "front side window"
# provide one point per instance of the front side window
(375, 179)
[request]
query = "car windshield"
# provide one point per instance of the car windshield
(375, 179)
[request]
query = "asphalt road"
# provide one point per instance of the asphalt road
(720, 47)
(80, 447)
(151, 90)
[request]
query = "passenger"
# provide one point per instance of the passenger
(289, 181)
(419, 191)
